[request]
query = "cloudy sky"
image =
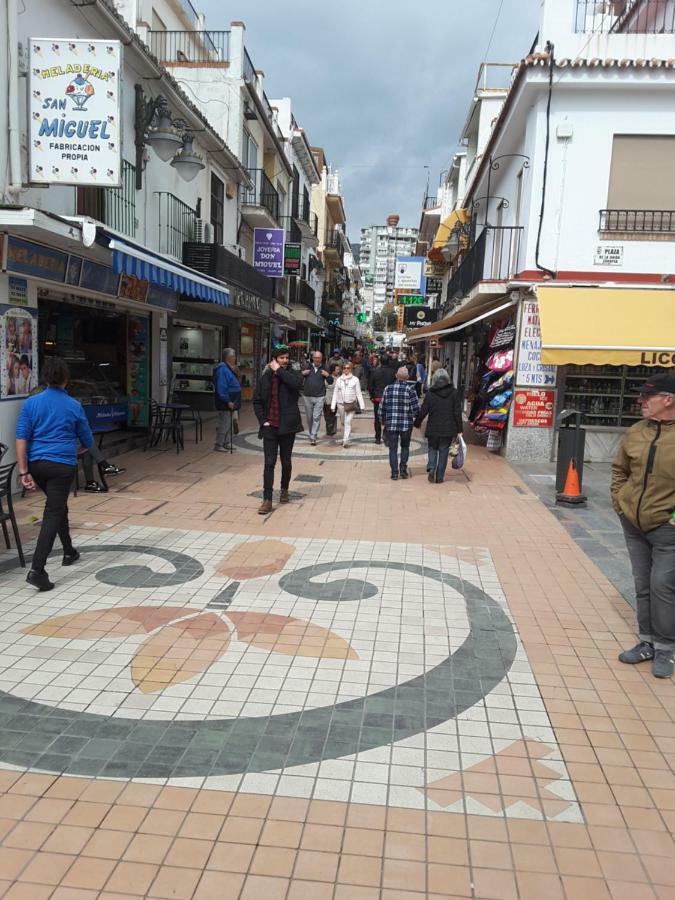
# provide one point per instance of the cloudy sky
(383, 85)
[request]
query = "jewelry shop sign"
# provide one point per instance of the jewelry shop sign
(74, 112)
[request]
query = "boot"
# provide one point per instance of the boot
(265, 508)
(40, 580)
(283, 496)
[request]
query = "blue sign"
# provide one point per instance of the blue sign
(100, 415)
(28, 258)
(268, 251)
(99, 278)
(410, 277)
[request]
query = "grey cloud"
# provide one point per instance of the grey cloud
(383, 86)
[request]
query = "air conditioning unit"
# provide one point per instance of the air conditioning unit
(203, 232)
(238, 250)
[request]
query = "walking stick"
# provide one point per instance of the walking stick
(231, 431)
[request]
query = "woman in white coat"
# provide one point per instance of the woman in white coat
(347, 397)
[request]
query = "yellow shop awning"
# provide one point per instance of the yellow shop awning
(607, 326)
(444, 230)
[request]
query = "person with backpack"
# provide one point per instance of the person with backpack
(443, 406)
(227, 389)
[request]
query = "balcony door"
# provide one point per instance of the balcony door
(250, 153)
(497, 244)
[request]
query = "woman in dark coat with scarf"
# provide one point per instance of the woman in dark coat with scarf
(275, 403)
(443, 406)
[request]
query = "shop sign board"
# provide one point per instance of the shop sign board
(37, 260)
(268, 251)
(400, 310)
(608, 255)
(17, 290)
(410, 275)
(531, 372)
(132, 288)
(533, 409)
(74, 112)
(102, 279)
(410, 299)
(292, 258)
(418, 316)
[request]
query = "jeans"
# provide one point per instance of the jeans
(273, 444)
(378, 423)
(331, 419)
(224, 432)
(313, 407)
(394, 437)
(55, 479)
(438, 458)
(346, 418)
(652, 558)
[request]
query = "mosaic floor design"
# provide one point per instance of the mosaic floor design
(329, 669)
(362, 448)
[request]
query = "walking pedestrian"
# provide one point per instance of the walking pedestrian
(51, 425)
(227, 391)
(643, 495)
(275, 403)
(381, 375)
(443, 407)
(398, 410)
(314, 392)
(336, 357)
(421, 375)
(329, 415)
(347, 398)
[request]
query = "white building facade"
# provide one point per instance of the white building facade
(380, 247)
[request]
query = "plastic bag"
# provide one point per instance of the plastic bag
(460, 459)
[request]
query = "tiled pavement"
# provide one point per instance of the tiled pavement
(380, 691)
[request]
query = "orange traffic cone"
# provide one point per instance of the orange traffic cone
(571, 494)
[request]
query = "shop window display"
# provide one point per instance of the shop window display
(195, 351)
(493, 383)
(606, 395)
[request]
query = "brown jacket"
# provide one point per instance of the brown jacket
(643, 474)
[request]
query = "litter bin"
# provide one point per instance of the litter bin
(570, 469)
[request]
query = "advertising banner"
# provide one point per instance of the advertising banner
(268, 251)
(533, 409)
(74, 112)
(18, 352)
(292, 259)
(531, 372)
(410, 275)
(418, 316)
(138, 375)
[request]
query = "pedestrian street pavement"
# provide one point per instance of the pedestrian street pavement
(382, 690)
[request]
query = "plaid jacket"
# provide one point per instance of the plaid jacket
(399, 406)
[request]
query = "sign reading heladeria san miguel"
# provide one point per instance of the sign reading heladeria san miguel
(74, 112)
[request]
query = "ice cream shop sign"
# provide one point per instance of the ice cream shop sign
(74, 112)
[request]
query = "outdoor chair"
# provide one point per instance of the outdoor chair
(6, 473)
(165, 424)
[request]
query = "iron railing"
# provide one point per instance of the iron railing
(267, 106)
(114, 207)
(638, 220)
(218, 262)
(305, 206)
(335, 241)
(177, 223)
(495, 256)
(314, 223)
(430, 202)
(262, 193)
(625, 16)
(293, 233)
(249, 71)
(197, 49)
(302, 294)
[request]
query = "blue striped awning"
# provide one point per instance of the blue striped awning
(128, 259)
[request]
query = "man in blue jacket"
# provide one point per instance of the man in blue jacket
(228, 398)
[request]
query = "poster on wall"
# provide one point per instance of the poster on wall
(533, 409)
(18, 352)
(138, 341)
(74, 112)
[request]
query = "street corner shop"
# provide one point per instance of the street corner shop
(587, 348)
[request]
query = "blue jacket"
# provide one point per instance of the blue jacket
(226, 385)
(53, 424)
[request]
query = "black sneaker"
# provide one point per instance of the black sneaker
(394, 476)
(110, 469)
(404, 472)
(431, 478)
(93, 487)
(662, 667)
(639, 653)
(70, 558)
(40, 580)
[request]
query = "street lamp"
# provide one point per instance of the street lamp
(154, 126)
(186, 162)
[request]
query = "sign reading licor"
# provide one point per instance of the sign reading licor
(74, 112)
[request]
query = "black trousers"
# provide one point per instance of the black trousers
(55, 479)
(275, 445)
(378, 423)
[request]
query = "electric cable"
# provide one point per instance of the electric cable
(550, 49)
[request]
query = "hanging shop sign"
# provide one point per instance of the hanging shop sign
(292, 258)
(531, 372)
(268, 251)
(410, 299)
(74, 112)
(410, 274)
(533, 409)
(608, 255)
(418, 316)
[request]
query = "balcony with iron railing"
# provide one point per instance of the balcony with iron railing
(177, 224)
(114, 207)
(335, 244)
(261, 199)
(191, 49)
(625, 17)
(293, 233)
(637, 221)
(249, 69)
(301, 294)
(494, 257)
(218, 262)
(430, 202)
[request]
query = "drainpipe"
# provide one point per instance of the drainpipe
(15, 185)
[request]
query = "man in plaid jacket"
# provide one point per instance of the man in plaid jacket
(398, 410)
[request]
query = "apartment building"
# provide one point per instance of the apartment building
(380, 247)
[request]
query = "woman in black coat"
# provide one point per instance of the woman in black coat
(443, 406)
(275, 403)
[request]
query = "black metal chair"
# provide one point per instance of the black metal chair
(6, 473)
(164, 425)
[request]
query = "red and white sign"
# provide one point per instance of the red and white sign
(534, 409)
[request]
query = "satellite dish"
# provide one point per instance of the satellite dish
(88, 233)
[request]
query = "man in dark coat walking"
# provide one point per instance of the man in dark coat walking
(275, 403)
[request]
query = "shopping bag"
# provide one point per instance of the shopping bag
(459, 460)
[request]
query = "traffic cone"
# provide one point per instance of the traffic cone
(571, 494)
